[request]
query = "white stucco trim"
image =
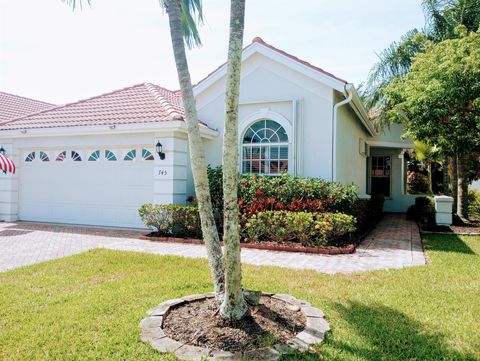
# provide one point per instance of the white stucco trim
(266, 113)
(170, 126)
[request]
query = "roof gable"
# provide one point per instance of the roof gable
(15, 106)
(141, 103)
(259, 46)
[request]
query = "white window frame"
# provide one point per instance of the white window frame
(267, 114)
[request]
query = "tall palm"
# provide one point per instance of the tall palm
(441, 18)
(234, 306)
(184, 15)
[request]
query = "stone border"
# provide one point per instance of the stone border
(152, 332)
(348, 249)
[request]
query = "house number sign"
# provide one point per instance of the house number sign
(162, 172)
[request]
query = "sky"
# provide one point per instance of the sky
(51, 53)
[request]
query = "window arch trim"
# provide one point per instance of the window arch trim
(267, 114)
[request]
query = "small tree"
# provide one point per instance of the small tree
(438, 101)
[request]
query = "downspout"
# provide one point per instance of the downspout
(349, 95)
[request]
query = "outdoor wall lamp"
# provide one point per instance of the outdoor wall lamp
(159, 149)
(2, 150)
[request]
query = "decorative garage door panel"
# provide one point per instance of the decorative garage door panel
(85, 192)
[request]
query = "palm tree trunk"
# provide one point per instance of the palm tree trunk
(233, 306)
(197, 154)
(462, 191)
(445, 176)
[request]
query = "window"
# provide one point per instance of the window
(265, 148)
(30, 157)
(130, 155)
(380, 175)
(61, 156)
(76, 157)
(147, 155)
(94, 156)
(110, 156)
(43, 157)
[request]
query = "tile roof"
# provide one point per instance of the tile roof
(141, 103)
(14, 106)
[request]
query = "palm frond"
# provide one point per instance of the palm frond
(192, 17)
(393, 62)
(73, 3)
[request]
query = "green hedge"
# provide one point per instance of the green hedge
(423, 211)
(474, 204)
(172, 219)
(306, 228)
(285, 192)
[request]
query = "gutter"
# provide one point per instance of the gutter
(348, 92)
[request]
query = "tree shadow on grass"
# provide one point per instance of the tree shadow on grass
(387, 335)
(446, 243)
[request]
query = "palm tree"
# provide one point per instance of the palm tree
(184, 15)
(234, 306)
(442, 16)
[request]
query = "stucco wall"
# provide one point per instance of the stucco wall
(267, 85)
(351, 165)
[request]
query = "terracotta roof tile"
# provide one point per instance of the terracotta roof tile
(141, 103)
(15, 106)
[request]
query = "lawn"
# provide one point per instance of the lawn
(88, 306)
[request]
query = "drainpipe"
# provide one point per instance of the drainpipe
(349, 95)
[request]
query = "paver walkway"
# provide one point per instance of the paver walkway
(395, 243)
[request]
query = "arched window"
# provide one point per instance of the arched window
(130, 155)
(61, 156)
(110, 156)
(94, 156)
(265, 148)
(30, 157)
(44, 157)
(147, 155)
(76, 157)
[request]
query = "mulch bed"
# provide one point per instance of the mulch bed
(458, 227)
(198, 323)
(265, 245)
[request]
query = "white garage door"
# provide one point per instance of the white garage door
(100, 187)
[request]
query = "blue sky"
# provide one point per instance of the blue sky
(50, 53)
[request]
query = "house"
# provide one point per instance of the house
(95, 161)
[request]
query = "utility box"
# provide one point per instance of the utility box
(443, 210)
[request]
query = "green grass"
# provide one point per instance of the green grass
(87, 307)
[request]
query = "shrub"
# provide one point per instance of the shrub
(172, 219)
(417, 183)
(215, 182)
(287, 192)
(422, 211)
(368, 212)
(474, 204)
(307, 228)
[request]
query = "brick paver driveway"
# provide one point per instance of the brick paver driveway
(395, 243)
